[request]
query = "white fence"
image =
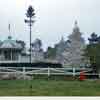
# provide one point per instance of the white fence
(44, 71)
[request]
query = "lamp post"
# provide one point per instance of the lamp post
(30, 15)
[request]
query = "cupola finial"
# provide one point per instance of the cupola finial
(76, 22)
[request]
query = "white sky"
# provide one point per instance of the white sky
(54, 18)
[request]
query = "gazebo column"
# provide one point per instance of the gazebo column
(11, 56)
(2, 54)
(18, 56)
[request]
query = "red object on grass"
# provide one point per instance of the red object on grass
(82, 76)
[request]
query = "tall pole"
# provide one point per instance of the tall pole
(30, 14)
(30, 41)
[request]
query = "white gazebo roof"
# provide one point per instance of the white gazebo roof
(10, 44)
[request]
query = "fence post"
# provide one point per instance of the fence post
(73, 72)
(24, 73)
(48, 71)
(99, 75)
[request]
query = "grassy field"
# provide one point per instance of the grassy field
(49, 88)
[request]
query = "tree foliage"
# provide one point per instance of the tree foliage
(21, 42)
(30, 12)
(92, 52)
(51, 52)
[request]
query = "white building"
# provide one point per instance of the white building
(73, 49)
(13, 51)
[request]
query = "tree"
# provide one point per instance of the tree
(92, 52)
(22, 43)
(39, 42)
(51, 52)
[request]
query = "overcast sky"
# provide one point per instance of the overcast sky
(54, 18)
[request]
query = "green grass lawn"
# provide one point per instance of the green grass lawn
(49, 88)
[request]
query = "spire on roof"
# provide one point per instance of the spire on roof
(76, 28)
(62, 39)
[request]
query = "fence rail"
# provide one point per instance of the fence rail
(45, 71)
